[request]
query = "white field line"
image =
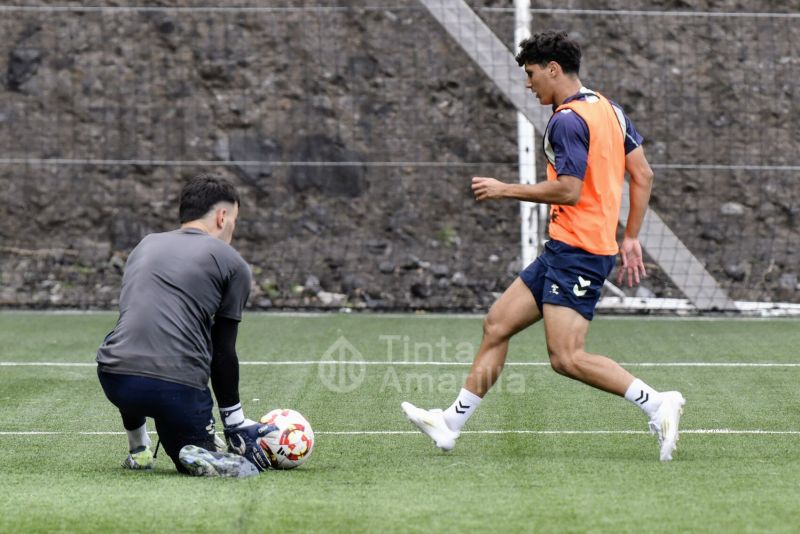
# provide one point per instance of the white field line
(433, 364)
(722, 431)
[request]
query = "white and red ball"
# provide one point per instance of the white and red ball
(291, 441)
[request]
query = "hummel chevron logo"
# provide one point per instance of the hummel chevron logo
(461, 408)
(581, 291)
(643, 397)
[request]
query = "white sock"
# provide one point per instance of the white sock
(461, 410)
(138, 438)
(644, 397)
(232, 415)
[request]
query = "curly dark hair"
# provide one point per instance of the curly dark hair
(201, 193)
(542, 48)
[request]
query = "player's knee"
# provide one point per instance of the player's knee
(562, 361)
(494, 330)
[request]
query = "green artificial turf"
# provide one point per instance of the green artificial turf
(549, 475)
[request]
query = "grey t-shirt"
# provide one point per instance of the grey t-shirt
(175, 283)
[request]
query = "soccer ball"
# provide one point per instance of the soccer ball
(290, 440)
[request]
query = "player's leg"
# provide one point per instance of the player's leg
(565, 331)
(515, 310)
(574, 282)
(185, 425)
(140, 452)
(122, 392)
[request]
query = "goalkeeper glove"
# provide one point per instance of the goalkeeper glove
(243, 440)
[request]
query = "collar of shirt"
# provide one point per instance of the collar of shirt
(583, 92)
(191, 230)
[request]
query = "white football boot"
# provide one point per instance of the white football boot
(431, 422)
(665, 421)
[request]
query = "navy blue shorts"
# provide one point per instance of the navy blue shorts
(182, 414)
(568, 276)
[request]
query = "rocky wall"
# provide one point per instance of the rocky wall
(352, 131)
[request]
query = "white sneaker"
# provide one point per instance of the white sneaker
(665, 421)
(431, 422)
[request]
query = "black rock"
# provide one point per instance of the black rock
(126, 230)
(362, 67)
(736, 271)
(334, 262)
(410, 262)
(420, 290)
(22, 66)
(255, 153)
(440, 270)
(353, 284)
(166, 25)
(377, 246)
(330, 168)
(712, 232)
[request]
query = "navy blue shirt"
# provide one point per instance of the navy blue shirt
(569, 137)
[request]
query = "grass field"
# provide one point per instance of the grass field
(542, 453)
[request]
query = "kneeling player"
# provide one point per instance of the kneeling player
(182, 298)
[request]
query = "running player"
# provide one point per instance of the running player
(589, 144)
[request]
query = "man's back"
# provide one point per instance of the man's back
(175, 283)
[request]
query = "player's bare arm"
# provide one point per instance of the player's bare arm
(566, 190)
(630, 250)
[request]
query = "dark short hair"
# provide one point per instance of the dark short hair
(542, 48)
(201, 193)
